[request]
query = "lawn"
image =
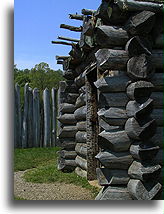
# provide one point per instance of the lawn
(42, 165)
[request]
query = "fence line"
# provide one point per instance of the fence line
(35, 120)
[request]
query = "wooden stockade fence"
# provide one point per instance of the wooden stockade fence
(35, 119)
(111, 104)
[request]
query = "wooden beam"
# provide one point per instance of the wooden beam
(88, 12)
(76, 16)
(71, 28)
(61, 43)
(62, 57)
(68, 39)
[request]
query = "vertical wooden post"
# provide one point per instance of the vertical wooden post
(30, 119)
(53, 96)
(15, 120)
(36, 118)
(25, 115)
(47, 123)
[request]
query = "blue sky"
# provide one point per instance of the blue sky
(37, 23)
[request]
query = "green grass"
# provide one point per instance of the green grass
(18, 198)
(42, 163)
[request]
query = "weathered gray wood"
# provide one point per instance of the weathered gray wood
(159, 158)
(140, 131)
(88, 27)
(81, 101)
(114, 140)
(71, 98)
(159, 41)
(66, 165)
(157, 58)
(88, 12)
(80, 172)
(114, 193)
(115, 160)
(81, 149)
(81, 137)
(71, 28)
(68, 39)
(47, 118)
(81, 126)
(67, 132)
(25, 115)
(132, 5)
(112, 177)
(157, 99)
(68, 144)
(67, 108)
(67, 119)
(157, 139)
(36, 118)
(144, 152)
(76, 16)
(61, 43)
(54, 115)
(80, 80)
(81, 162)
(113, 116)
(140, 191)
(104, 12)
(111, 59)
(141, 23)
(80, 113)
(157, 114)
(67, 154)
(112, 100)
(69, 87)
(139, 111)
(144, 172)
(157, 81)
(105, 126)
(69, 74)
(138, 45)
(109, 36)
(61, 57)
(140, 90)
(140, 67)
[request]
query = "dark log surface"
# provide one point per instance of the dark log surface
(159, 41)
(81, 172)
(81, 137)
(71, 28)
(81, 162)
(67, 154)
(159, 157)
(157, 99)
(81, 101)
(81, 149)
(68, 39)
(76, 16)
(67, 119)
(104, 12)
(66, 165)
(61, 43)
(80, 113)
(68, 145)
(68, 132)
(114, 140)
(105, 126)
(71, 98)
(140, 191)
(157, 114)
(80, 80)
(67, 108)
(88, 11)
(115, 160)
(157, 139)
(112, 177)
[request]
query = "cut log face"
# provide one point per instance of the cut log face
(88, 28)
(66, 165)
(114, 193)
(67, 108)
(140, 191)
(81, 149)
(80, 172)
(114, 140)
(80, 113)
(68, 132)
(81, 137)
(141, 24)
(113, 116)
(115, 160)
(67, 154)
(140, 131)
(67, 119)
(108, 177)
(140, 67)
(105, 126)
(81, 162)
(111, 59)
(108, 36)
(138, 45)
(139, 111)
(146, 153)
(144, 172)
(81, 101)
(140, 91)
(81, 126)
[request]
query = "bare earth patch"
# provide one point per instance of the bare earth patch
(55, 191)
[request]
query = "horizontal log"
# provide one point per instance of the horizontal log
(76, 16)
(81, 162)
(60, 62)
(109, 36)
(157, 99)
(157, 80)
(66, 165)
(81, 126)
(144, 172)
(80, 113)
(159, 158)
(80, 80)
(157, 114)
(115, 140)
(139, 191)
(132, 5)
(68, 39)
(115, 160)
(113, 116)
(159, 41)
(141, 23)
(157, 139)
(111, 59)
(108, 177)
(80, 172)
(88, 12)
(105, 126)
(67, 108)
(71, 28)
(114, 193)
(144, 153)
(67, 132)
(71, 98)
(67, 154)
(61, 57)
(107, 100)
(139, 111)
(157, 58)
(140, 90)
(67, 119)
(81, 149)
(61, 43)
(138, 131)
(81, 137)
(68, 145)
(81, 101)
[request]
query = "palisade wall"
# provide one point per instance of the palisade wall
(117, 70)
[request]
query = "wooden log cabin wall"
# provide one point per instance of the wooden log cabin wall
(111, 104)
